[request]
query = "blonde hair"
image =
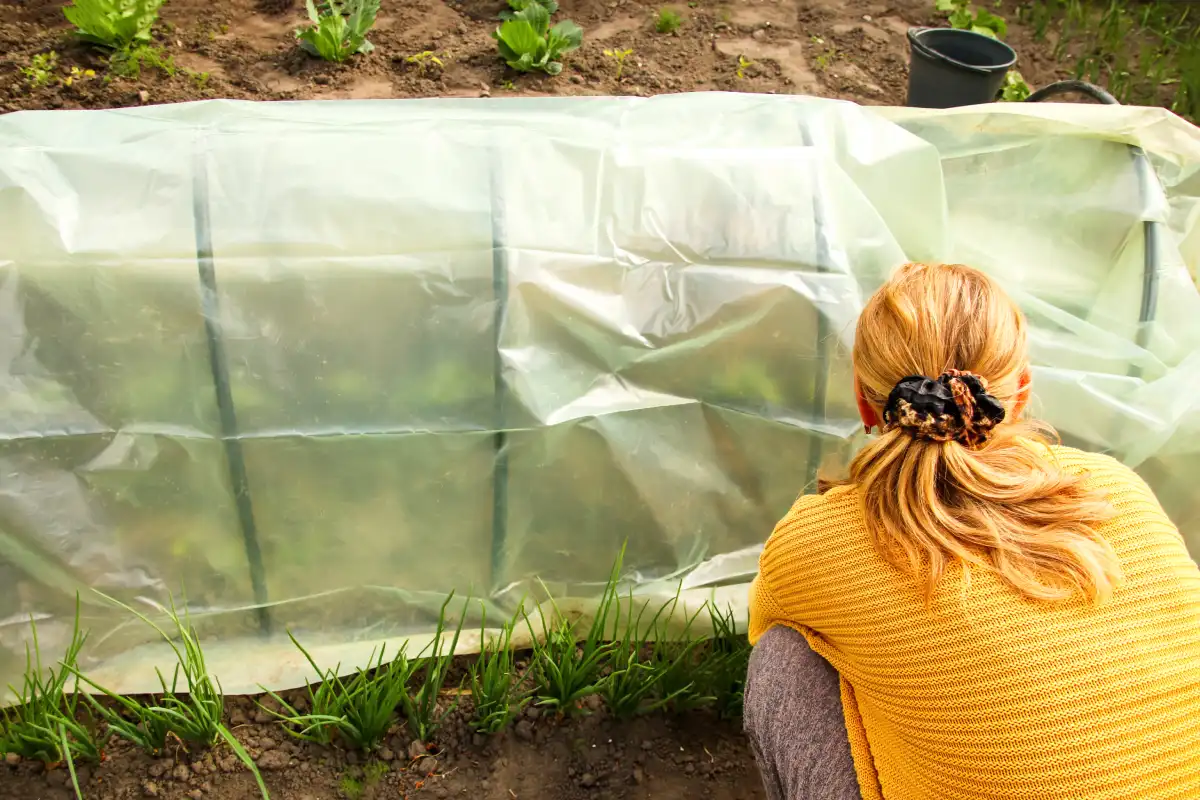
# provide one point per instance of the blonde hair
(1001, 505)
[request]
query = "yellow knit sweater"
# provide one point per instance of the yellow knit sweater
(989, 695)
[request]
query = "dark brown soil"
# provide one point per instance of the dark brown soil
(246, 49)
(691, 757)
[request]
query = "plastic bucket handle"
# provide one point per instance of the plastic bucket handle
(914, 41)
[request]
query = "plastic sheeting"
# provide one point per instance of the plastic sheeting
(314, 365)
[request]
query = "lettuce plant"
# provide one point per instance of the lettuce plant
(527, 43)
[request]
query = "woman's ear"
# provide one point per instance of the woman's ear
(869, 417)
(1024, 390)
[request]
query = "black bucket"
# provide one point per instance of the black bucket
(955, 68)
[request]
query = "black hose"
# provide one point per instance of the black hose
(1073, 87)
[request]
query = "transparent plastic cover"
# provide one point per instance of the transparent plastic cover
(311, 366)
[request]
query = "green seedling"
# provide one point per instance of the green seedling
(359, 710)
(630, 688)
(565, 671)
(129, 63)
(495, 684)
(77, 75)
(424, 60)
(667, 21)
(527, 43)
(726, 664)
(113, 24)
(41, 69)
(38, 726)
(508, 86)
(963, 16)
(339, 29)
(743, 64)
(515, 6)
(191, 711)
(1015, 88)
(421, 707)
(681, 672)
(619, 56)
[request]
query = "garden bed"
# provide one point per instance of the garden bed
(246, 49)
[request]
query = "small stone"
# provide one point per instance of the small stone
(273, 759)
(195, 794)
(150, 789)
(321, 80)
(479, 740)
(182, 773)
(416, 749)
(262, 717)
(575, 79)
(12, 759)
(386, 754)
(266, 744)
(441, 793)
(588, 780)
(639, 777)
(426, 766)
(647, 745)
(238, 717)
(524, 730)
(759, 34)
(57, 778)
(690, 769)
(594, 702)
(533, 712)
(229, 764)
(143, 96)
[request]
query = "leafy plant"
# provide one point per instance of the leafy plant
(564, 672)
(528, 43)
(630, 688)
(619, 56)
(963, 16)
(495, 684)
(37, 727)
(1015, 88)
(40, 71)
(421, 707)
(359, 709)
(743, 64)
(515, 6)
(113, 24)
(680, 670)
(193, 717)
(667, 21)
(339, 29)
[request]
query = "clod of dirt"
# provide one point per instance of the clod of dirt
(12, 759)
(273, 759)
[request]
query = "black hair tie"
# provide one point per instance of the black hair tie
(955, 407)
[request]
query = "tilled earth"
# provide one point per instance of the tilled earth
(688, 757)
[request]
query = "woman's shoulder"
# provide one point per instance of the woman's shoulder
(815, 517)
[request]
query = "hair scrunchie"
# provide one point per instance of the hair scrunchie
(954, 408)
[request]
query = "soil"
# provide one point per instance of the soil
(246, 49)
(690, 757)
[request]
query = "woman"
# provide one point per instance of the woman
(1009, 618)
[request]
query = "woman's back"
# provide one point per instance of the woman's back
(986, 693)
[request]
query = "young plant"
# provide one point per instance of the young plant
(421, 707)
(630, 688)
(128, 63)
(564, 671)
(527, 43)
(359, 709)
(113, 24)
(619, 56)
(339, 29)
(40, 71)
(963, 16)
(194, 718)
(667, 21)
(726, 663)
(1015, 88)
(424, 60)
(37, 727)
(681, 671)
(743, 64)
(495, 684)
(515, 6)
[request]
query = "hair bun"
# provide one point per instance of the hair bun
(955, 407)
